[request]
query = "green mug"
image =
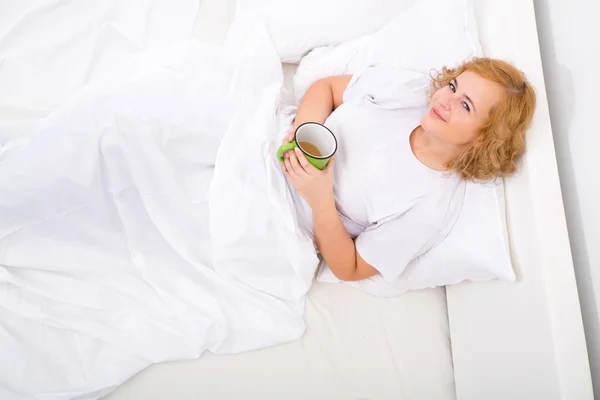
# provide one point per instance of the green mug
(315, 140)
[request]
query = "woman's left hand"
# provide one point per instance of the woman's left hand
(314, 185)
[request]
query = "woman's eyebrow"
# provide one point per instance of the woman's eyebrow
(466, 96)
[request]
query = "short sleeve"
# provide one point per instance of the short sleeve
(390, 246)
(359, 84)
(389, 87)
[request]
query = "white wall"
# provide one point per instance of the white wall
(569, 34)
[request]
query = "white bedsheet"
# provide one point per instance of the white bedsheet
(355, 347)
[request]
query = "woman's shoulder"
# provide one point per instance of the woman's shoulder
(389, 87)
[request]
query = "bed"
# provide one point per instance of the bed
(490, 340)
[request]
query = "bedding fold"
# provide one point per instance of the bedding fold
(121, 243)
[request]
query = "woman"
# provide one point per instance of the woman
(404, 157)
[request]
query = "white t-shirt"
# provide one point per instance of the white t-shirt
(396, 207)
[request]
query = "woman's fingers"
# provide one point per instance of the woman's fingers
(287, 166)
(293, 170)
(306, 165)
(295, 163)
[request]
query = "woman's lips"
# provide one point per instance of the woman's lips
(436, 114)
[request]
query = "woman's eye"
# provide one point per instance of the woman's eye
(466, 106)
(451, 85)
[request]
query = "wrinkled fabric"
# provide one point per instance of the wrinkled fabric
(147, 219)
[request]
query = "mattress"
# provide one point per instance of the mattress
(356, 347)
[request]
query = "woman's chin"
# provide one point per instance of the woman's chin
(427, 122)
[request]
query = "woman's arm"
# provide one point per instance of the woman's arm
(316, 187)
(336, 246)
(321, 98)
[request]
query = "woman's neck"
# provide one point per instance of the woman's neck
(430, 151)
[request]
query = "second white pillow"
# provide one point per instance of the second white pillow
(298, 26)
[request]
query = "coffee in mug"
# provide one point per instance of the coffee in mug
(315, 140)
(310, 148)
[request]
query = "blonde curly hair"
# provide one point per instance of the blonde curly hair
(502, 139)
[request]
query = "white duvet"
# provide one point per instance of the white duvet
(121, 245)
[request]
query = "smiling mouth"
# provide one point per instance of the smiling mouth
(437, 114)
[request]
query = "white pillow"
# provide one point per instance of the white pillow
(431, 34)
(298, 26)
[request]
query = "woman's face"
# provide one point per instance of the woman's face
(459, 110)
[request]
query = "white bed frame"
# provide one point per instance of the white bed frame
(524, 340)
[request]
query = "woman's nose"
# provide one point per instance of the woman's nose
(449, 101)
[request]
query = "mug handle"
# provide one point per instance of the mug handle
(285, 147)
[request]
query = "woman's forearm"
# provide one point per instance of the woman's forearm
(316, 105)
(335, 245)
